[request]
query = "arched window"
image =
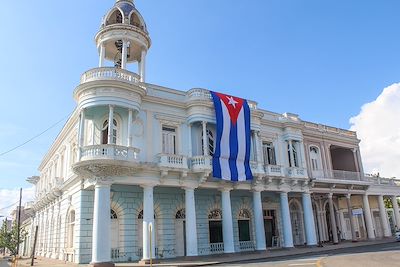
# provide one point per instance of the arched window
(244, 225)
(114, 232)
(314, 157)
(215, 226)
(135, 21)
(295, 157)
(104, 132)
(211, 142)
(115, 17)
(70, 229)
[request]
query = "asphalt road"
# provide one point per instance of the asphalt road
(3, 263)
(381, 255)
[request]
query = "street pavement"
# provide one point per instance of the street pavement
(3, 263)
(382, 255)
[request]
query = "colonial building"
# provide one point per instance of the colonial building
(132, 167)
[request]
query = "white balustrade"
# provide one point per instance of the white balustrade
(216, 248)
(172, 161)
(201, 163)
(246, 245)
(109, 73)
(274, 170)
(113, 152)
(346, 175)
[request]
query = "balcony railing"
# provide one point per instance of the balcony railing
(337, 175)
(216, 248)
(246, 245)
(109, 73)
(201, 163)
(204, 94)
(172, 161)
(112, 152)
(380, 180)
(273, 170)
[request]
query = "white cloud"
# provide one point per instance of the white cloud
(378, 127)
(9, 199)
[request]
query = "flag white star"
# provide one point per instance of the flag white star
(232, 101)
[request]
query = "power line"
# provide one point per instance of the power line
(34, 137)
(8, 206)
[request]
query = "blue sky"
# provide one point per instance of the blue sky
(320, 59)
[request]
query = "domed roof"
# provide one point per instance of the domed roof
(126, 6)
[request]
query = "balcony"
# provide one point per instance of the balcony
(172, 161)
(110, 74)
(296, 172)
(201, 163)
(381, 180)
(109, 152)
(274, 170)
(337, 175)
(205, 95)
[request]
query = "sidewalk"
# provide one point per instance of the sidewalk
(222, 258)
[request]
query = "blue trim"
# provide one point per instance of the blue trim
(234, 149)
(220, 125)
(247, 121)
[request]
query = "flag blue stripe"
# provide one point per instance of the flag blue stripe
(246, 109)
(234, 149)
(220, 126)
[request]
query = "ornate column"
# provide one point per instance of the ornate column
(384, 218)
(302, 157)
(290, 142)
(259, 221)
(81, 137)
(333, 219)
(360, 164)
(110, 124)
(124, 58)
(227, 225)
(191, 227)
(190, 152)
(205, 139)
(368, 217)
(102, 55)
(101, 239)
(396, 211)
(286, 222)
(130, 117)
(309, 224)
(328, 160)
(142, 67)
(148, 220)
(350, 211)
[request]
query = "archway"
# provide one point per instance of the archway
(180, 233)
(296, 216)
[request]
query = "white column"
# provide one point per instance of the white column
(291, 153)
(205, 139)
(333, 219)
(130, 117)
(101, 240)
(102, 55)
(360, 164)
(148, 219)
(227, 224)
(384, 218)
(368, 218)
(142, 67)
(110, 124)
(81, 138)
(350, 211)
(396, 211)
(309, 224)
(259, 221)
(190, 152)
(286, 222)
(356, 160)
(302, 155)
(191, 227)
(124, 56)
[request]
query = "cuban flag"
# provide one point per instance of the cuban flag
(231, 160)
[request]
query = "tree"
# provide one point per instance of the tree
(8, 237)
(388, 203)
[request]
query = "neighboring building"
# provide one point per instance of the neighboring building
(134, 154)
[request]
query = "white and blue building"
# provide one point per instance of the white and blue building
(135, 156)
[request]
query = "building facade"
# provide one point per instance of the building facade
(132, 167)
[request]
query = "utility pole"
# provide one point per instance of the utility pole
(19, 221)
(34, 246)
